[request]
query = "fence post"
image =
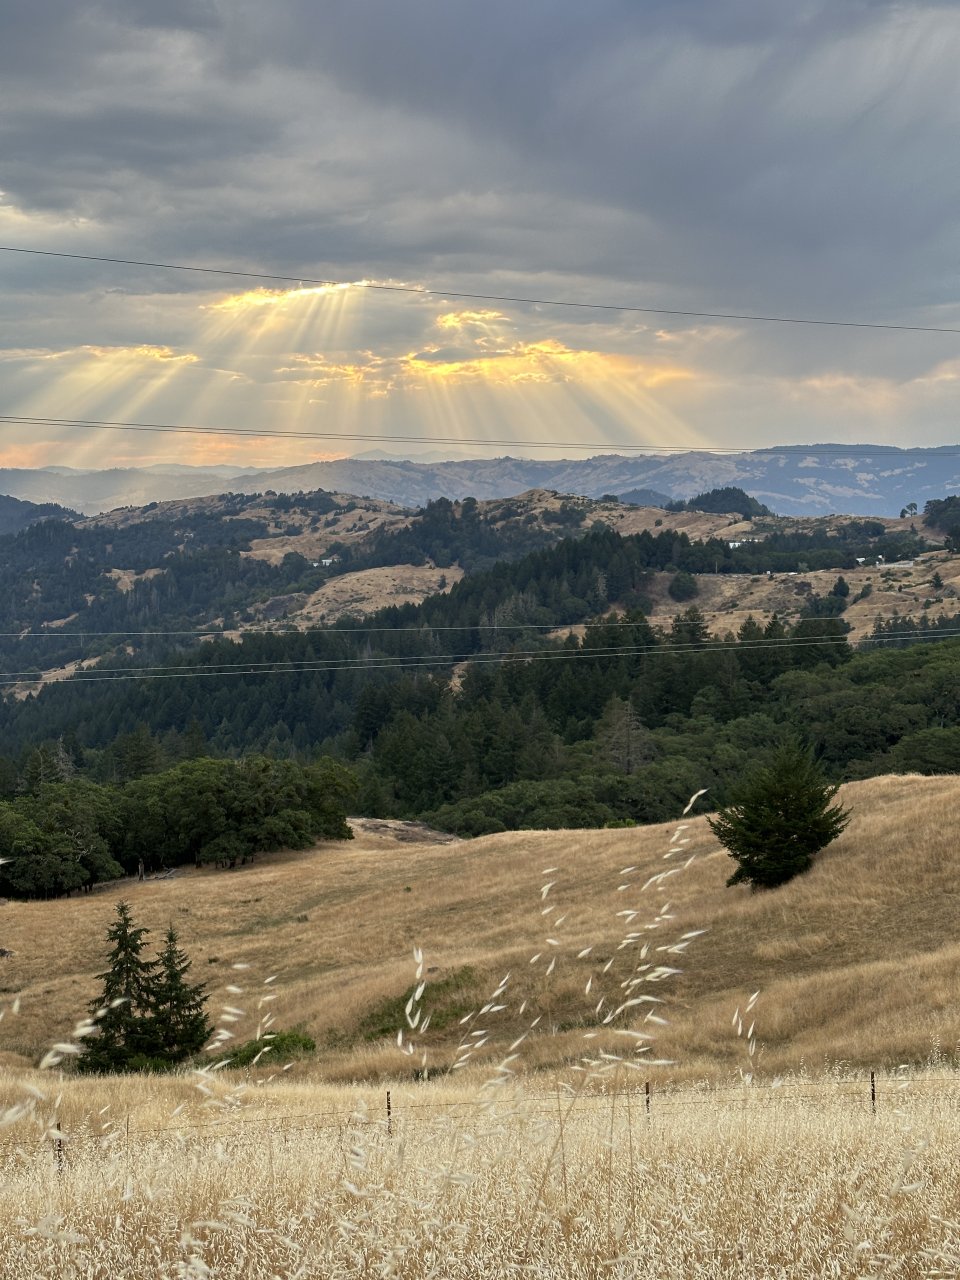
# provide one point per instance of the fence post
(873, 1093)
(646, 1094)
(58, 1153)
(389, 1116)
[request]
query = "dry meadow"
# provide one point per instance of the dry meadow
(516, 996)
(196, 1178)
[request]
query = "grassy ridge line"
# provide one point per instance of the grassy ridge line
(856, 961)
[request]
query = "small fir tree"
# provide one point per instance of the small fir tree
(148, 1016)
(780, 819)
(179, 1026)
(122, 1010)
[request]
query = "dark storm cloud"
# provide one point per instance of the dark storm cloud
(744, 154)
(765, 149)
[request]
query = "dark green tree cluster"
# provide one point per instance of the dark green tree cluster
(720, 501)
(224, 811)
(448, 533)
(73, 833)
(683, 586)
(944, 514)
(148, 1016)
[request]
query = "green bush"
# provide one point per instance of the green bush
(446, 1000)
(281, 1044)
(683, 586)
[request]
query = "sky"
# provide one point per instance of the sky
(792, 158)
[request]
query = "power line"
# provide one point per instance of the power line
(478, 297)
(332, 629)
(97, 424)
(423, 661)
(655, 450)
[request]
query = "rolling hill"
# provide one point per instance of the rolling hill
(855, 962)
(15, 514)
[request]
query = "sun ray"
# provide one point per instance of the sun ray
(341, 359)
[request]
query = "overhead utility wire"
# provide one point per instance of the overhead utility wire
(387, 660)
(331, 628)
(421, 661)
(255, 433)
(477, 297)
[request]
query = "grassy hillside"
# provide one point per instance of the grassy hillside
(856, 961)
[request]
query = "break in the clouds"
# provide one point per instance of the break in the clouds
(757, 156)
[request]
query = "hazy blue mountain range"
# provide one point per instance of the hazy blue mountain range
(792, 480)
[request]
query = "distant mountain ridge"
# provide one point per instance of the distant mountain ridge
(16, 514)
(791, 479)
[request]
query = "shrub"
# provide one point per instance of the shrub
(683, 586)
(281, 1044)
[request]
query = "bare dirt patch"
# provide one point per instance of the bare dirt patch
(367, 590)
(394, 831)
(126, 579)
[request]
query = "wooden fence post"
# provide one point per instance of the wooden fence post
(646, 1093)
(389, 1116)
(873, 1093)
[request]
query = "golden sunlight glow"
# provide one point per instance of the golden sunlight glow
(117, 354)
(278, 297)
(545, 361)
(343, 359)
(461, 319)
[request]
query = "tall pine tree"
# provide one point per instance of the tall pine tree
(178, 1024)
(149, 1016)
(122, 1010)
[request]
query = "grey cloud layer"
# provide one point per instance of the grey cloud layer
(743, 155)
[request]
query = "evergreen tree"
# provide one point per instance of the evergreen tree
(624, 742)
(122, 1010)
(780, 819)
(683, 586)
(148, 1016)
(178, 1024)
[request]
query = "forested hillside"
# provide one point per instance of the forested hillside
(61, 831)
(75, 592)
(466, 710)
(15, 514)
(81, 588)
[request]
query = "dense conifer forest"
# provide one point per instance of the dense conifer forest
(466, 711)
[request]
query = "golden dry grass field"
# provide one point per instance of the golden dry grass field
(480, 1181)
(561, 972)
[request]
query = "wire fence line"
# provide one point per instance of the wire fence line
(874, 1095)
